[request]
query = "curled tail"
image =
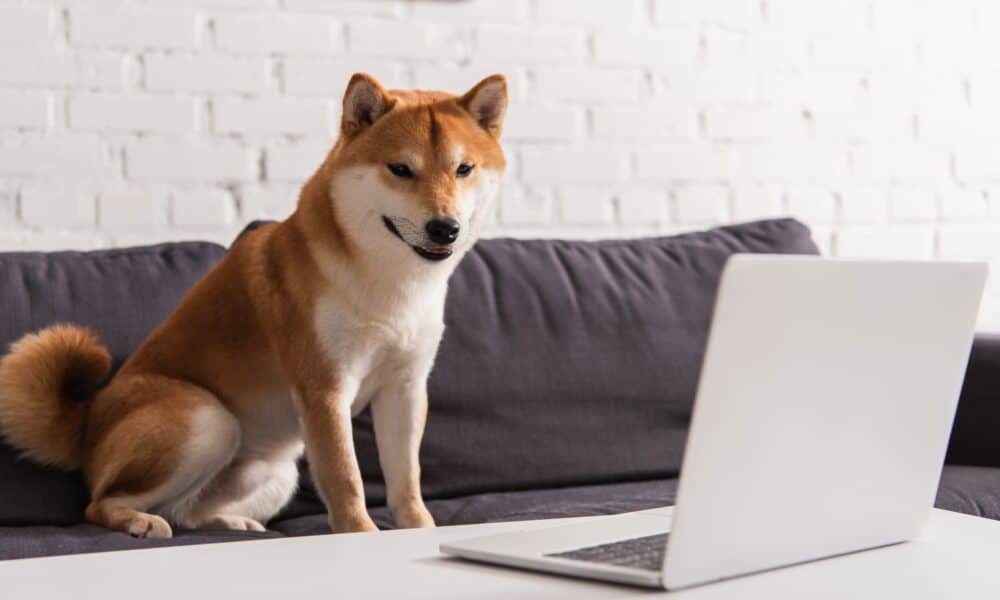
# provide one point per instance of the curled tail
(39, 379)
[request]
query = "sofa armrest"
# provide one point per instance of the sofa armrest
(975, 436)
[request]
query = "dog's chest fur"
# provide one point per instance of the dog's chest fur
(375, 342)
(373, 334)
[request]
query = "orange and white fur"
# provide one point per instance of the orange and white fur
(301, 325)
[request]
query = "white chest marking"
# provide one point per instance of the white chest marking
(375, 351)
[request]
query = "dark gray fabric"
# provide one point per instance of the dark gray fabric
(122, 294)
(970, 490)
(579, 501)
(575, 501)
(568, 363)
(46, 540)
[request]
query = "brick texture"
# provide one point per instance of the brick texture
(874, 121)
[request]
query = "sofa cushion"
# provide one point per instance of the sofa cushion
(578, 501)
(46, 540)
(570, 363)
(122, 294)
(970, 490)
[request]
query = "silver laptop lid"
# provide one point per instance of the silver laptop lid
(823, 411)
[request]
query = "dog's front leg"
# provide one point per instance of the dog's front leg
(399, 412)
(326, 419)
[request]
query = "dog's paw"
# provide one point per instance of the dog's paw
(232, 522)
(149, 526)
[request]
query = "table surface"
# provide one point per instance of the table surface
(956, 557)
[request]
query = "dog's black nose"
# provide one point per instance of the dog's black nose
(442, 230)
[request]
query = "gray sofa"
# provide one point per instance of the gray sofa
(563, 385)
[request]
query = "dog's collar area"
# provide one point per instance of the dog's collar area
(435, 254)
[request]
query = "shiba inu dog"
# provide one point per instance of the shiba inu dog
(301, 325)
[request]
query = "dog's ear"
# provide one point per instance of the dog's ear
(487, 103)
(364, 102)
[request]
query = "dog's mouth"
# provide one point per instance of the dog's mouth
(426, 252)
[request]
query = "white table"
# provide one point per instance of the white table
(957, 557)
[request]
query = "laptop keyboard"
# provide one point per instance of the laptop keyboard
(638, 553)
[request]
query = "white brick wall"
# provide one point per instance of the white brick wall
(139, 28)
(875, 121)
(265, 34)
(109, 113)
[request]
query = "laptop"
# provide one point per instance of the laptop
(822, 416)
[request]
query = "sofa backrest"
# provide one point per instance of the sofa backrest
(121, 294)
(562, 362)
(568, 363)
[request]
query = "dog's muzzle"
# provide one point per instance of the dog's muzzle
(442, 232)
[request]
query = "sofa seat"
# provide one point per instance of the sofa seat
(965, 489)
(524, 505)
(970, 490)
(33, 541)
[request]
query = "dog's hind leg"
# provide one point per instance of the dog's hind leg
(158, 444)
(247, 493)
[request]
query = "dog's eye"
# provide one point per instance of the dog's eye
(464, 170)
(400, 170)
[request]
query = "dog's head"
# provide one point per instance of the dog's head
(416, 172)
